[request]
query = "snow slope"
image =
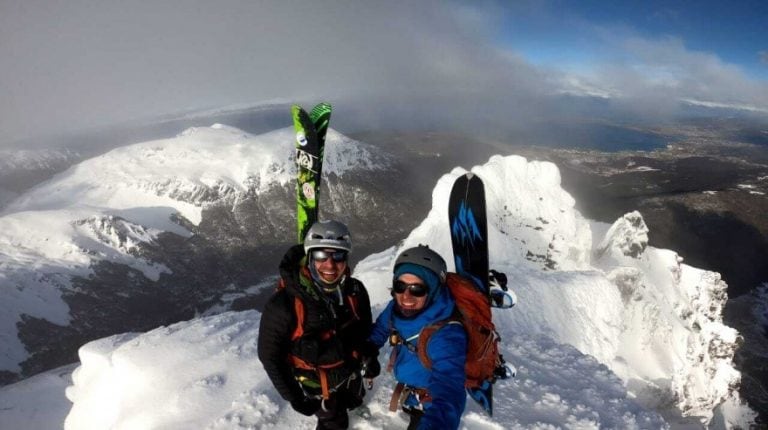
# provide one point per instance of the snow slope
(36, 403)
(608, 331)
(105, 207)
(600, 337)
(205, 374)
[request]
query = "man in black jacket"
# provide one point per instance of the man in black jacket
(313, 327)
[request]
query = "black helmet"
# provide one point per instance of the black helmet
(328, 234)
(423, 256)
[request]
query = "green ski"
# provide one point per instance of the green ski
(310, 143)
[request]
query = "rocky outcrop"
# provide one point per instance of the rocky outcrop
(672, 323)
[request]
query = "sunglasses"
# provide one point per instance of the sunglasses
(416, 290)
(320, 256)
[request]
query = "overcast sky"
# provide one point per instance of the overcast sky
(75, 64)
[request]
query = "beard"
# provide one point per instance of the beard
(407, 313)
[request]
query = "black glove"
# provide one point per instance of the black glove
(306, 406)
(497, 279)
(370, 360)
(372, 369)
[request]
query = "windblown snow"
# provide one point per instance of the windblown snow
(608, 332)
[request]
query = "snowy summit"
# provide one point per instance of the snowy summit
(608, 332)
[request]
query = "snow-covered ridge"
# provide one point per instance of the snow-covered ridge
(656, 322)
(26, 159)
(606, 329)
(674, 311)
(199, 166)
(628, 236)
(104, 208)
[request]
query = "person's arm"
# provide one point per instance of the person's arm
(447, 348)
(274, 344)
(366, 317)
(370, 348)
(381, 328)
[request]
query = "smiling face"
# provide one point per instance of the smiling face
(407, 302)
(328, 269)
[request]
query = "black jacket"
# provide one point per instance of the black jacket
(279, 322)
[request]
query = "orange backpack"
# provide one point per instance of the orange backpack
(474, 313)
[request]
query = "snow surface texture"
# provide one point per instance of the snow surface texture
(36, 403)
(205, 374)
(597, 344)
(104, 207)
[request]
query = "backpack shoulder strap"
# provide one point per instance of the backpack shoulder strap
(351, 298)
(426, 333)
(298, 309)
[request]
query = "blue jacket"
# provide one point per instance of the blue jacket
(447, 348)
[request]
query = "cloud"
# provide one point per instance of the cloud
(78, 64)
(763, 56)
(652, 77)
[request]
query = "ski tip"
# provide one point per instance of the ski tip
(323, 105)
(321, 109)
(472, 177)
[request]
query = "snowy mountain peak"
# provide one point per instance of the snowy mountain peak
(674, 347)
(107, 209)
(528, 212)
(653, 320)
(201, 165)
(628, 236)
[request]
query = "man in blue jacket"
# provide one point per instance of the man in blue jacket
(434, 399)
